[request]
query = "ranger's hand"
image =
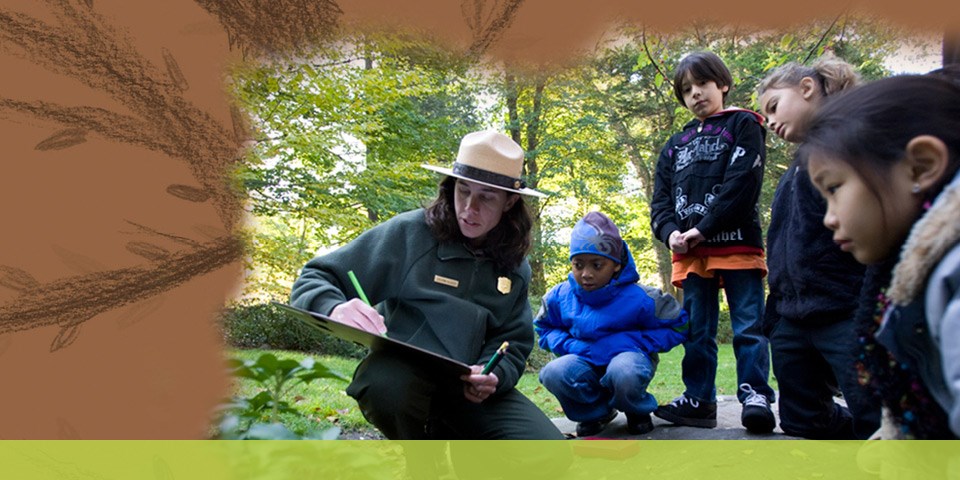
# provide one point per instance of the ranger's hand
(477, 387)
(357, 314)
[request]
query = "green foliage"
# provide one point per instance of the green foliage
(724, 328)
(338, 142)
(263, 325)
(259, 417)
(321, 404)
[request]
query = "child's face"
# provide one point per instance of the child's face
(593, 271)
(702, 97)
(868, 227)
(787, 110)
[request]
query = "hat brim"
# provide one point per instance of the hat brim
(448, 172)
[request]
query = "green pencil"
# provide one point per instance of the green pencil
(363, 296)
(495, 359)
(356, 285)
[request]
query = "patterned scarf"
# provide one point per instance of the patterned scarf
(895, 383)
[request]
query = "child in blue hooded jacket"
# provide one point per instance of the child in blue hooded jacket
(606, 331)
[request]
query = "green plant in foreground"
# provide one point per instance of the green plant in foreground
(258, 417)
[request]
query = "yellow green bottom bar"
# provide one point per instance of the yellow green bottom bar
(426, 460)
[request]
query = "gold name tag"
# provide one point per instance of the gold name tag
(446, 281)
(503, 285)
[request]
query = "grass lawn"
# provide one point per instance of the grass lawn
(325, 403)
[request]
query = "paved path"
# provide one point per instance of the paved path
(728, 427)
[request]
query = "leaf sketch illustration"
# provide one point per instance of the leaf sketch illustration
(487, 19)
(76, 42)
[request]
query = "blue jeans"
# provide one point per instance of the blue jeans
(744, 289)
(587, 392)
(811, 362)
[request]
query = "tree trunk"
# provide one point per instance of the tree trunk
(647, 181)
(372, 214)
(531, 169)
(537, 278)
(513, 116)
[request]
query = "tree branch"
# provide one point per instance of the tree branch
(83, 46)
(111, 125)
(274, 27)
(646, 49)
(484, 36)
(822, 38)
(75, 300)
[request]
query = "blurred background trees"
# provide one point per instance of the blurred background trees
(340, 133)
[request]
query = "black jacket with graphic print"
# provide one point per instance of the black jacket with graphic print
(709, 177)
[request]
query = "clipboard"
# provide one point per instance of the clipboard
(377, 343)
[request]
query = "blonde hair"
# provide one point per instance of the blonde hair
(831, 74)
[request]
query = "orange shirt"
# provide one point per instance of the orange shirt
(705, 267)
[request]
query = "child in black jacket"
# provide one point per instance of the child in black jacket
(814, 286)
(704, 209)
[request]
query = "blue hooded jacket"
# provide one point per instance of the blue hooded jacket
(619, 317)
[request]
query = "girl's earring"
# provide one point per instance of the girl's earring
(916, 190)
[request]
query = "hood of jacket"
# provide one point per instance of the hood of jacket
(728, 110)
(929, 240)
(760, 118)
(628, 275)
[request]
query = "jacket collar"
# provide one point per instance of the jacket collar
(451, 250)
(727, 111)
(929, 240)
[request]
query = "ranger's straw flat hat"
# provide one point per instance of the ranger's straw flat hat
(489, 158)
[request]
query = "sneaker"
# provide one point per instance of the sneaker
(686, 411)
(639, 423)
(756, 417)
(593, 427)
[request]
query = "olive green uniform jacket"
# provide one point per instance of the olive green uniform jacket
(437, 296)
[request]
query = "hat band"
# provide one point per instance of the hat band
(487, 176)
